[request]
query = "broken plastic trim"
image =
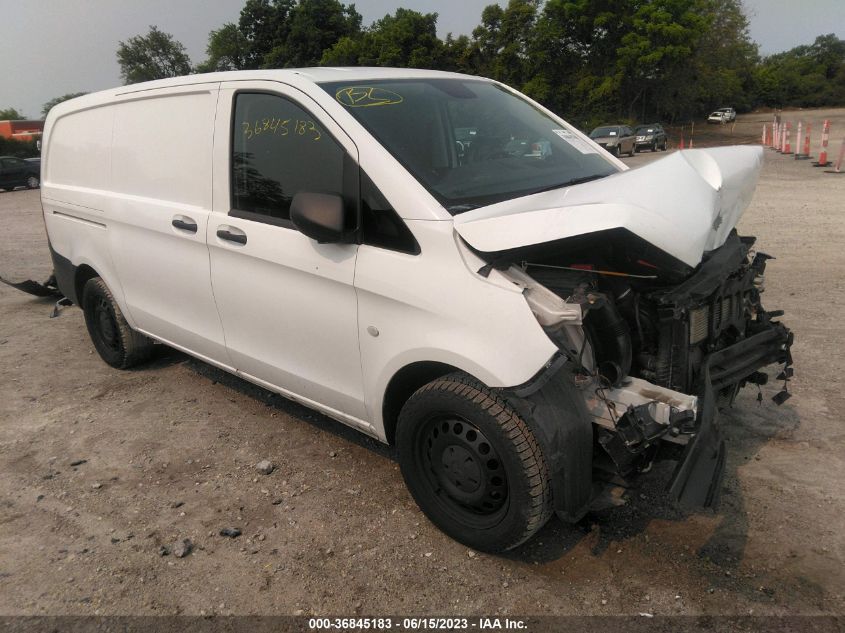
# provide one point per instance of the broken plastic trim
(697, 480)
(698, 475)
(45, 289)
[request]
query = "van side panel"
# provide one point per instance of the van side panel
(162, 146)
(76, 177)
(78, 157)
(433, 307)
(161, 174)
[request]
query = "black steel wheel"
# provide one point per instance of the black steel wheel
(116, 343)
(472, 465)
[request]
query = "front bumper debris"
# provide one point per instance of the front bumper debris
(698, 476)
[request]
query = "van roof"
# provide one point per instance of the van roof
(294, 76)
(315, 75)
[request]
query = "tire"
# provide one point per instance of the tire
(654, 146)
(633, 151)
(116, 343)
(32, 182)
(473, 465)
(663, 147)
(617, 151)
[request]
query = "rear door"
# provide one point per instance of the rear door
(287, 303)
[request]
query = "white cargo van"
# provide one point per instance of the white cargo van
(431, 258)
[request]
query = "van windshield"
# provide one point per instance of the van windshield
(469, 142)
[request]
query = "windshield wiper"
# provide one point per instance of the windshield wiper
(569, 183)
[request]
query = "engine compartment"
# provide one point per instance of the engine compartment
(647, 317)
(660, 346)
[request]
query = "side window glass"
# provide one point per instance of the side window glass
(382, 226)
(279, 150)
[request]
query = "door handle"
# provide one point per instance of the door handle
(225, 234)
(185, 224)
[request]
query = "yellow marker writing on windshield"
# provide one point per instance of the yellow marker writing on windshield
(366, 96)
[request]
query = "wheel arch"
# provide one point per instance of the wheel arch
(402, 386)
(84, 273)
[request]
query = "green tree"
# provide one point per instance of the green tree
(11, 114)
(314, 27)
(459, 55)
(722, 68)
(54, 102)
(155, 55)
(227, 49)
(513, 63)
(289, 33)
(264, 25)
(573, 49)
(654, 58)
(804, 76)
(406, 39)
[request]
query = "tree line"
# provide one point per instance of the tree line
(591, 61)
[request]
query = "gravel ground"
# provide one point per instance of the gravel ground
(101, 469)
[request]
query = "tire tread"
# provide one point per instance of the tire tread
(135, 347)
(516, 430)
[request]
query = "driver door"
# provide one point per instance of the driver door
(287, 304)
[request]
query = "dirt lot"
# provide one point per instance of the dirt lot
(170, 450)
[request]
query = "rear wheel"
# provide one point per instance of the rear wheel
(473, 465)
(116, 343)
(32, 182)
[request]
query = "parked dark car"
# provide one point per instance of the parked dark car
(18, 172)
(616, 139)
(651, 136)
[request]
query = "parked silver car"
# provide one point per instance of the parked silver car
(616, 139)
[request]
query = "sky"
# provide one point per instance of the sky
(54, 47)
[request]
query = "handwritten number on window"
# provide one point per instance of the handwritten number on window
(279, 127)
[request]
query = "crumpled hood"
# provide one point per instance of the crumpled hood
(685, 204)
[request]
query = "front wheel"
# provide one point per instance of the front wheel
(116, 343)
(473, 465)
(32, 182)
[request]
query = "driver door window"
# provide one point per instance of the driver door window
(278, 150)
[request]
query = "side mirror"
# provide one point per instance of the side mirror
(320, 216)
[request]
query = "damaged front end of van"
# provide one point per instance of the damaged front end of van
(655, 302)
